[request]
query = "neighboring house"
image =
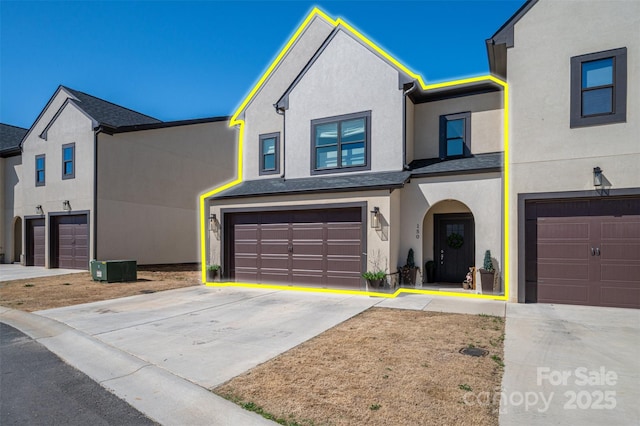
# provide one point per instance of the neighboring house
(348, 163)
(573, 70)
(10, 172)
(100, 181)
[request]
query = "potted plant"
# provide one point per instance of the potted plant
(409, 271)
(375, 279)
(212, 272)
(487, 274)
(430, 269)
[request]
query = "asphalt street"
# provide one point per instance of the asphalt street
(38, 388)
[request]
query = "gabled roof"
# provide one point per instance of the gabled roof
(502, 39)
(10, 138)
(108, 113)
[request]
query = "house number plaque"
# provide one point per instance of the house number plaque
(417, 231)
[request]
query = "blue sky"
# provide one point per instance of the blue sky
(182, 60)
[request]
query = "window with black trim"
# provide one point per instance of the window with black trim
(40, 170)
(455, 135)
(599, 88)
(341, 143)
(69, 161)
(270, 154)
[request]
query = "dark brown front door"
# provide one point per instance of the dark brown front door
(454, 246)
(71, 241)
(586, 252)
(35, 242)
(308, 247)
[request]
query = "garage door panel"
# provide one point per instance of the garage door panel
(620, 273)
(308, 248)
(562, 229)
(303, 232)
(247, 275)
(344, 249)
(342, 264)
(270, 276)
(274, 232)
(245, 248)
(562, 271)
(620, 251)
(620, 230)
(577, 294)
(620, 296)
(344, 281)
(72, 245)
(36, 241)
(246, 232)
(274, 247)
(344, 232)
(303, 277)
(564, 251)
(243, 261)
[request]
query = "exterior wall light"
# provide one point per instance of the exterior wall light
(597, 177)
(66, 206)
(39, 209)
(375, 218)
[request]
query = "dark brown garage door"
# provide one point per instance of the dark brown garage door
(306, 247)
(71, 242)
(584, 252)
(35, 242)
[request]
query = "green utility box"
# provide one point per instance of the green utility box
(114, 271)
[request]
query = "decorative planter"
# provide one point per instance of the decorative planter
(466, 285)
(375, 283)
(486, 279)
(211, 275)
(408, 275)
(431, 273)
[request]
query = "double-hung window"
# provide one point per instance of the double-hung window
(341, 143)
(455, 135)
(270, 154)
(69, 161)
(40, 169)
(599, 88)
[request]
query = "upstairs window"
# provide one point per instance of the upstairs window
(40, 169)
(341, 143)
(69, 161)
(270, 154)
(599, 88)
(455, 135)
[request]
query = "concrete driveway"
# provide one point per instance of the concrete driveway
(210, 335)
(571, 365)
(10, 272)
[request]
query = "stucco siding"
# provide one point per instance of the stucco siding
(148, 187)
(479, 194)
(260, 115)
(347, 78)
(486, 123)
(546, 154)
(11, 169)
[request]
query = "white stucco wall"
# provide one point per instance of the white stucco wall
(70, 126)
(346, 78)
(148, 187)
(260, 115)
(486, 123)
(482, 196)
(546, 154)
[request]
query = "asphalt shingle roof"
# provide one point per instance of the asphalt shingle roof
(10, 137)
(363, 181)
(358, 182)
(108, 113)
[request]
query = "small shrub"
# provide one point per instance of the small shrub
(375, 407)
(465, 387)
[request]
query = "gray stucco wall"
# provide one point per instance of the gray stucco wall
(11, 172)
(148, 187)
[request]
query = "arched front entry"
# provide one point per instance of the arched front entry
(17, 239)
(449, 240)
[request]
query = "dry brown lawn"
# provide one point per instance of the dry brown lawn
(382, 367)
(65, 290)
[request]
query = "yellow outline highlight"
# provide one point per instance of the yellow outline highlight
(235, 121)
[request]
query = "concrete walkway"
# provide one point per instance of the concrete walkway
(10, 272)
(571, 365)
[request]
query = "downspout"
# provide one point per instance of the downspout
(282, 141)
(404, 124)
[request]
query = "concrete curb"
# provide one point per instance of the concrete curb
(160, 395)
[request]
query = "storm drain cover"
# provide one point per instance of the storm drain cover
(474, 351)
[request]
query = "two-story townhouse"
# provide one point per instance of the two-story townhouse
(10, 172)
(100, 181)
(349, 161)
(573, 70)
